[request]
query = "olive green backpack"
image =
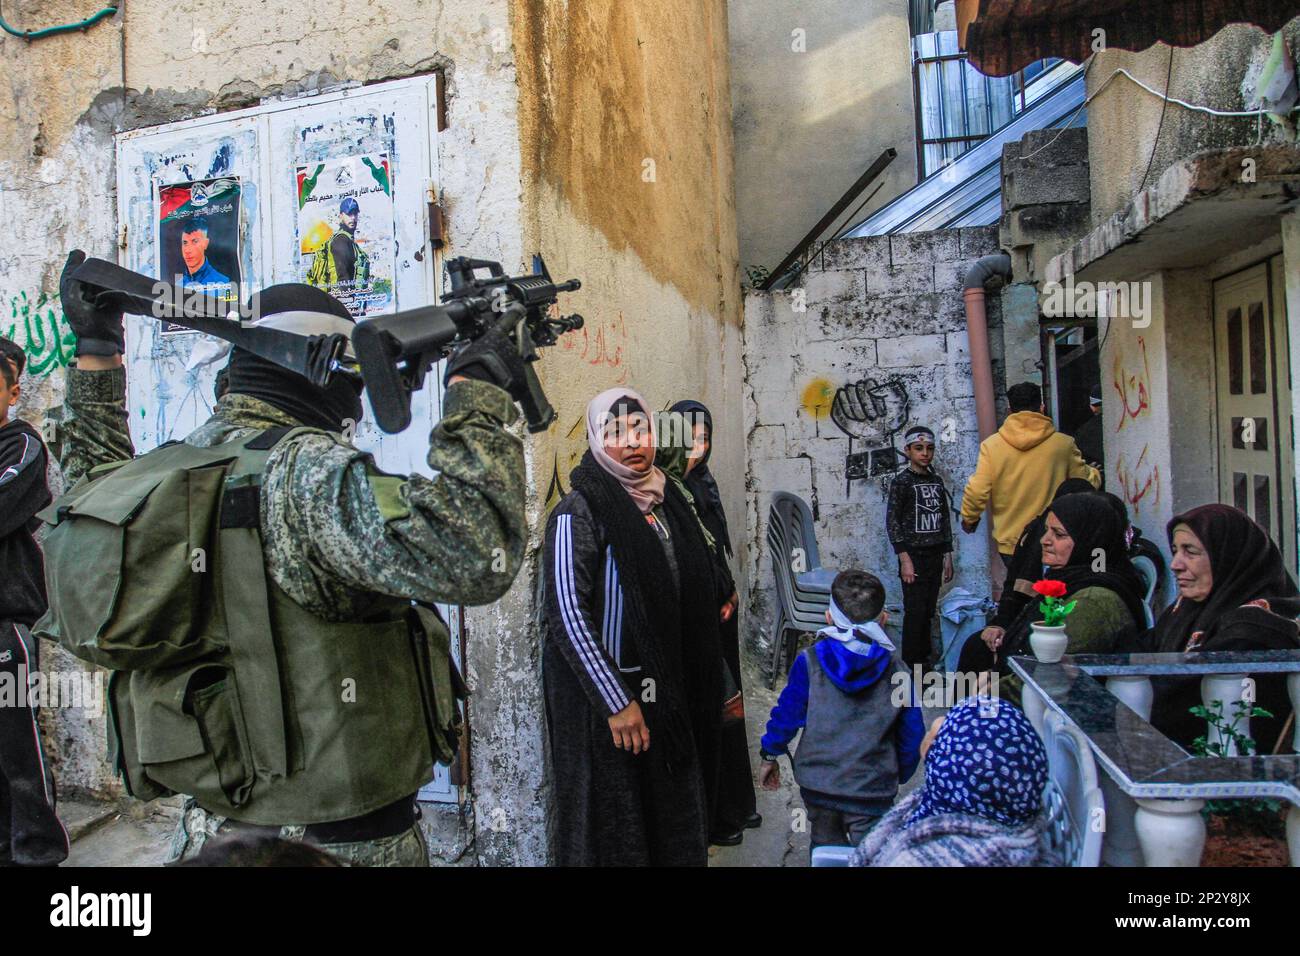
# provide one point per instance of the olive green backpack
(155, 571)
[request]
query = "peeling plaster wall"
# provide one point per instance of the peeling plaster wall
(1137, 415)
(808, 124)
(1123, 120)
(604, 88)
(885, 309)
(56, 193)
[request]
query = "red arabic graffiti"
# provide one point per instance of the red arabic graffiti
(600, 342)
(1131, 386)
(1139, 482)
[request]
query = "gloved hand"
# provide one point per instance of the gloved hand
(493, 358)
(98, 324)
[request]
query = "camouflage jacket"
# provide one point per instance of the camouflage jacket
(335, 529)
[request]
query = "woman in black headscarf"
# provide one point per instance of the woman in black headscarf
(1234, 595)
(631, 665)
(1083, 545)
(736, 807)
(1025, 567)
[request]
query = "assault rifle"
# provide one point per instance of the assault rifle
(393, 353)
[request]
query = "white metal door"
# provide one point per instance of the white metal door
(1251, 371)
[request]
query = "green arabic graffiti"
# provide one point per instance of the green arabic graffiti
(39, 327)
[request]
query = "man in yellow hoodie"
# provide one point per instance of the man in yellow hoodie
(1020, 465)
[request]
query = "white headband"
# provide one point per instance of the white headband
(917, 434)
(210, 349)
(846, 631)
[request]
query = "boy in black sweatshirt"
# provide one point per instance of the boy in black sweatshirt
(30, 833)
(918, 517)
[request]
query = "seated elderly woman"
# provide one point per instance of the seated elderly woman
(1083, 546)
(1234, 594)
(982, 800)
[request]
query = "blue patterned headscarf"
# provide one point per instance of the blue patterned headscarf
(986, 760)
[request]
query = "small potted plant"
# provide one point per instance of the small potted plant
(1047, 637)
(1239, 832)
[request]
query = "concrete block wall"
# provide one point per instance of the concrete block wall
(882, 313)
(1046, 196)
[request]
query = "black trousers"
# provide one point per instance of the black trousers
(838, 827)
(920, 598)
(30, 832)
(736, 801)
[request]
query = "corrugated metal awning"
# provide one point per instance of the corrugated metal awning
(1003, 36)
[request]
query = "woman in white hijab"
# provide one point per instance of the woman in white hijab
(632, 660)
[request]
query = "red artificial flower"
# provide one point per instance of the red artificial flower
(1046, 588)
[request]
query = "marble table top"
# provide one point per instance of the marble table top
(1218, 662)
(1144, 762)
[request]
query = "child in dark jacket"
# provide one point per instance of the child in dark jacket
(854, 703)
(30, 833)
(918, 518)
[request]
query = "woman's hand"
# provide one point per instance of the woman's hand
(905, 569)
(947, 568)
(729, 609)
(992, 636)
(629, 729)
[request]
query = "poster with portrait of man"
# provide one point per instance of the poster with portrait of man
(346, 244)
(198, 238)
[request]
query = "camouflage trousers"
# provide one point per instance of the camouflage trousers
(196, 826)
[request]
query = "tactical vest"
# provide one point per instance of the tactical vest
(222, 687)
(324, 271)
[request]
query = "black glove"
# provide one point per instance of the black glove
(97, 323)
(491, 357)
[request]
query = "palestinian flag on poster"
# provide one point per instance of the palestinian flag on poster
(199, 236)
(343, 175)
(204, 197)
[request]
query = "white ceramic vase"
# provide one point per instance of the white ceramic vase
(1048, 643)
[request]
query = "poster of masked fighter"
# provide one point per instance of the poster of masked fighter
(198, 239)
(345, 231)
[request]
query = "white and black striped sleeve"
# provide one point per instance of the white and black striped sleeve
(575, 581)
(23, 488)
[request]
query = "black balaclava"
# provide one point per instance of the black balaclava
(329, 408)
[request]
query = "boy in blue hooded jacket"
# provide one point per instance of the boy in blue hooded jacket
(853, 700)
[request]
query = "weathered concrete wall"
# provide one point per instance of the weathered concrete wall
(56, 192)
(807, 124)
(883, 312)
(627, 184)
(1158, 389)
(1123, 119)
(1045, 197)
(55, 179)
(1137, 414)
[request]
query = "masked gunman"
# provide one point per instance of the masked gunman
(264, 594)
